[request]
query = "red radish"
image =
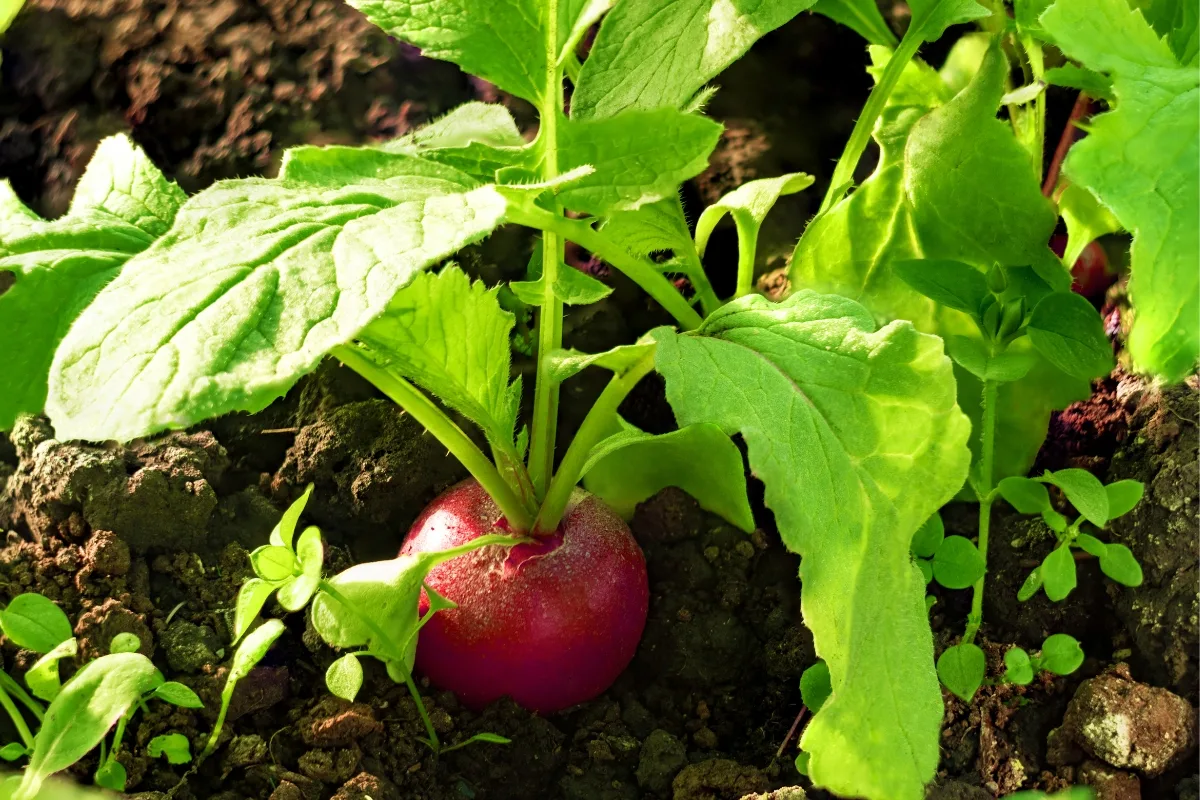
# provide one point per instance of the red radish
(551, 623)
(1090, 274)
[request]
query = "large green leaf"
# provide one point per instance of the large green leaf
(857, 437)
(476, 138)
(503, 42)
(451, 336)
(639, 157)
(650, 54)
(255, 282)
(860, 15)
(1142, 162)
(122, 204)
(83, 712)
(936, 149)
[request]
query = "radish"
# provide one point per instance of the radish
(550, 623)
(1090, 274)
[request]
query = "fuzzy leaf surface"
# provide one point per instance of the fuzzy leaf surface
(121, 205)
(255, 282)
(1142, 162)
(842, 420)
(650, 54)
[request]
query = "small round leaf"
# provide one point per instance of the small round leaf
(345, 677)
(1061, 654)
(1058, 573)
(175, 746)
(1119, 563)
(958, 564)
(815, 686)
(111, 775)
(961, 669)
(1017, 667)
(927, 538)
(35, 623)
(926, 567)
(125, 642)
(273, 563)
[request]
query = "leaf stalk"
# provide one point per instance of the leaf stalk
(987, 441)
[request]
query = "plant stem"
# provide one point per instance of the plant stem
(13, 688)
(1037, 65)
(544, 427)
(594, 428)
(434, 420)
(328, 588)
(117, 737)
(747, 249)
(987, 442)
(843, 173)
(18, 720)
(641, 271)
(1080, 110)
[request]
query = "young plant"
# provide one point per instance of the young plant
(372, 606)
(249, 652)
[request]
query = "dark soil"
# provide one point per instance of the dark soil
(152, 538)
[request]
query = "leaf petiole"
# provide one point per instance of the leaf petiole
(18, 721)
(987, 495)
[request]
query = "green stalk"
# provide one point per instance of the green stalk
(843, 173)
(1037, 65)
(14, 689)
(544, 429)
(595, 427)
(747, 249)
(328, 588)
(987, 441)
(434, 420)
(641, 271)
(18, 720)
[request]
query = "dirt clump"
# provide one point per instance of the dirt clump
(717, 779)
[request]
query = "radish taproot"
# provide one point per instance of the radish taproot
(550, 623)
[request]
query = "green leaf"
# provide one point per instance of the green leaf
(575, 18)
(310, 552)
(295, 594)
(1090, 545)
(1086, 220)
(1123, 497)
(345, 677)
(1017, 667)
(1056, 521)
(8, 12)
(631, 466)
(926, 568)
(572, 286)
(860, 418)
(256, 281)
(862, 16)
(748, 205)
(125, 642)
(504, 43)
(1142, 161)
(250, 600)
(930, 18)
(273, 563)
(928, 537)
(35, 623)
(961, 669)
(111, 775)
(1177, 22)
(958, 564)
(852, 249)
(121, 205)
(479, 139)
(1061, 654)
(81, 715)
(1058, 573)
(251, 651)
(1031, 585)
(969, 353)
(650, 55)
(450, 336)
(1025, 494)
(1119, 563)
(564, 364)
(654, 228)
(285, 530)
(177, 694)
(815, 686)
(175, 746)
(952, 284)
(631, 168)
(42, 678)
(1085, 80)
(13, 751)
(1068, 331)
(1084, 491)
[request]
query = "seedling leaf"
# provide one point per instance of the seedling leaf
(880, 420)
(1025, 494)
(273, 563)
(1090, 544)
(285, 530)
(1123, 497)
(1066, 329)
(111, 775)
(35, 623)
(252, 649)
(748, 205)
(13, 751)
(631, 466)
(250, 600)
(1058, 573)
(1119, 563)
(957, 564)
(1032, 583)
(175, 746)
(961, 669)
(1061, 654)
(1085, 491)
(42, 678)
(815, 686)
(929, 536)
(178, 695)
(345, 677)
(1017, 667)
(125, 642)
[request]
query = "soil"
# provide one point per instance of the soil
(152, 537)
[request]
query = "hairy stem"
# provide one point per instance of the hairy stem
(544, 430)
(595, 426)
(641, 271)
(987, 442)
(434, 420)
(14, 689)
(843, 173)
(17, 720)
